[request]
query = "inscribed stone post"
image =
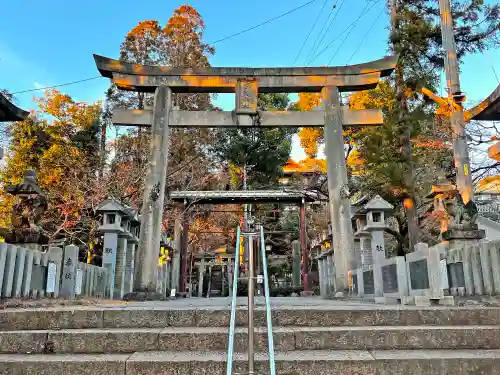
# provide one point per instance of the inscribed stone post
(109, 259)
(19, 272)
(70, 261)
(54, 273)
(121, 260)
(3, 263)
(129, 267)
(340, 210)
(154, 194)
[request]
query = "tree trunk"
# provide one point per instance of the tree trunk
(405, 139)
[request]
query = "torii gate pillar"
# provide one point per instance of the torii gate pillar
(338, 192)
(154, 193)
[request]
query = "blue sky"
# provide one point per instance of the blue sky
(46, 43)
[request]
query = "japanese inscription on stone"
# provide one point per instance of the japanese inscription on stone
(390, 278)
(368, 282)
(246, 96)
(419, 274)
(51, 277)
(79, 281)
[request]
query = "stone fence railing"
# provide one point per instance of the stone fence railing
(475, 269)
(26, 272)
(431, 273)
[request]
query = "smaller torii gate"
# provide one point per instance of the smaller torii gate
(246, 83)
(190, 198)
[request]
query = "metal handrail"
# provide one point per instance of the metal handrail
(232, 324)
(270, 339)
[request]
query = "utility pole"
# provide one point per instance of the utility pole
(406, 148)
(455, 98)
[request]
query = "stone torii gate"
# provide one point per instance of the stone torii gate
(246, 83)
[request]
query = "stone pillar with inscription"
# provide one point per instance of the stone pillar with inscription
(109, 260)
(68, 283)
(121, 264)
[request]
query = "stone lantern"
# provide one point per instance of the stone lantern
(113, 215)
(377, 213)
(29, 206)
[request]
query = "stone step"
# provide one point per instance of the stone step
(134, 317)
(390, 362)
(125, 340)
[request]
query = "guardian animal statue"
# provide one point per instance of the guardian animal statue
(462, 216)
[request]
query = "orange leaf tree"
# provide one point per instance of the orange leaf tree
(60, 142)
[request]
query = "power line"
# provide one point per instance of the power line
(313, 51)
(321, 35)
(263, 23)
(366, 9)
(365, 36)
(217, 41)
(348, 28)
(52, 87)
(310, 31)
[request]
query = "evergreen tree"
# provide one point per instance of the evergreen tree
(262, 152)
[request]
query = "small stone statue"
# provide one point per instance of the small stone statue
(462, 216)
(27, 212)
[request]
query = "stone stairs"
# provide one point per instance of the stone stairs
(316, 340)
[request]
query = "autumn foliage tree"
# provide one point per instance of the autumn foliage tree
(60, 141)
(177, 44)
